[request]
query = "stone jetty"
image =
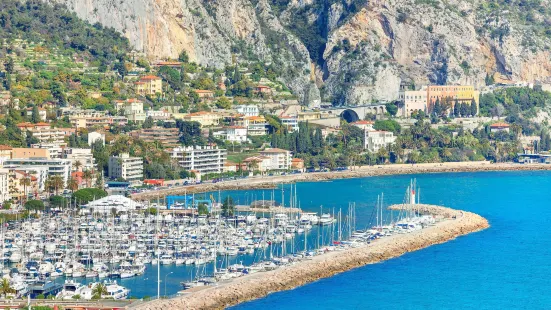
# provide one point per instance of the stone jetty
(451, 224)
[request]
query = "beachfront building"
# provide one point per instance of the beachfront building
(125, 167)
(258, 163)
(168, 137)
(248, 109)
(95, 136)
(18, 189)
(376, 139)
(83, 158)
(149, 85)
(279, 159)
(4, 185)
(204, 159)
(42, 168)
(289, 122)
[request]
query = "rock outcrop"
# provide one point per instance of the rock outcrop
(356, 51)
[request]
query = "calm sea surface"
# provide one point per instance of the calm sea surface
(507, 266)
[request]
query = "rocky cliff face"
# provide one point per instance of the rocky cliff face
(355, 51)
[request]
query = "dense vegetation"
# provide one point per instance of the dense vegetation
(38, 21)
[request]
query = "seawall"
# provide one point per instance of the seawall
(454, 223)
(357, 172)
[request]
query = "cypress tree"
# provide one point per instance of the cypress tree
(464, 109)
(474, 109)
(456, 107)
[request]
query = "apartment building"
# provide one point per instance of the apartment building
(279, 159)
(235, 134)
(83, 157)
(248, 109)
(42, 168)
(289, 122)
(204, 159)
(44, 132)
(55, 150)
(127, 168)
(376, 139)
(149, 85)
(133, 110)
(158, 115)
(103, 121)
(204, 118)
(4, 185)
(18, 190)
(168, 137)
(256, 125)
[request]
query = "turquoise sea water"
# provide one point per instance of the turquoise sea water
(507, 266)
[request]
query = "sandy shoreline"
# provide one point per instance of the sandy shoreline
(364, 171)
(455, 224)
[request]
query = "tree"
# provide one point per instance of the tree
(456, 109)
(223, 103)
(437, 108)
(85, 195)
(9, 65)
(99, 290)
(72, 184)
(387, 125)
(228, 206)
(54, 183)
(35, 116)
(183, 57)
(58, 201)
(34, 205)
(87, 175)
(474, 110)
(5, 287)
(148, 123)
(25, 181)
(391, 108)
(464, 109)
(77, 165)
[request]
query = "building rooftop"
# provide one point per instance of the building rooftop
(500, 125)
(274, 150)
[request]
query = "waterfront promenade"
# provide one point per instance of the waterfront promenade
(451, 224)
(258, 182)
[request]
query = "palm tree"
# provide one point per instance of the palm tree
(25, 181)
(99, 290)
(72, 184)
(87, 175)
(77, 165)
(54, 183)
(5, 287)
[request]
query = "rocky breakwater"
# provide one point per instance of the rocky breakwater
(452, 224)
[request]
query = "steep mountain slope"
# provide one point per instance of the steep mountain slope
(356, 51)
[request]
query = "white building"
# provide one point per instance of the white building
(127, 168)
(279, 159)
(236, 134)
(204, 159)
(290, 122)
(364, 125)
(84, 156)
(4, 185)
(95, 136)
(134, 111)
(54, 149)
(248, 109)
(413, 100)
(41, 166)
(158, 115)
(374, 140)
(105, 205)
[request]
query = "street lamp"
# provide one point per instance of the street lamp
(165, 280)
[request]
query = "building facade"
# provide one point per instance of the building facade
(279, 159)
(82, 156)
(4, 185)
(127, 168)
(168, 137)
(204, 159)
(40, 166)
(149, 85)
(248, 109)
(376, 139)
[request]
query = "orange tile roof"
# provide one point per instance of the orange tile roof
(363, 123)
(149, 77)
(497, 125)
(274, 150)
(203, 91)
(5, 147)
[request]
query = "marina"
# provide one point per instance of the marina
(101, 250)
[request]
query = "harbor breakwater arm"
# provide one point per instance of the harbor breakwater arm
(453, 223)
(259, 182)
